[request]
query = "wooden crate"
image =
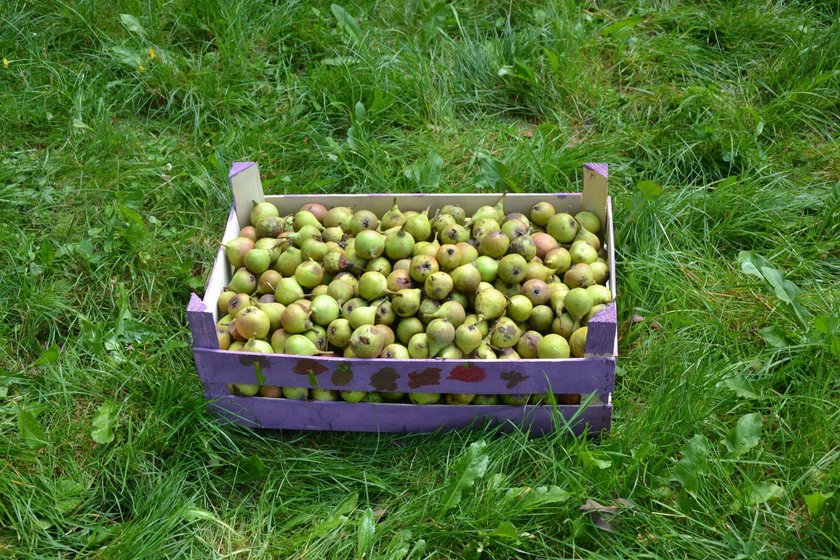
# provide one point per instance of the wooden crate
(595, 373)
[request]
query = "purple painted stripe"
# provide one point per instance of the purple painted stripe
(384, 417)
(202, 326)
(601, 332)
(580, 375)
(599, 168)
(238, 167)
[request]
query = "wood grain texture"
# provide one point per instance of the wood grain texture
(594, 197)
(581, 375)
(246, 185)
(287, 414)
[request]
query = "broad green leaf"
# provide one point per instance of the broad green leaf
(132, 24)
(527, 498)
(427, 174)
(364, 533)
(497, 174)
(775, 336)
(360, 111)
(399, 546)
(68, 494)
(784, 289)
(692, 464)
(745, 435)
(505, 530)
(650, 190)
(103, 423)
(346, 22)
(30, 430)
(816, 502)
(591, 460)
(763, 492)
(128, 57)
(467, 469)
(49, 356)
(751, 263)
(822, 323)
(329, 525)
(742, 387)
(617, 26)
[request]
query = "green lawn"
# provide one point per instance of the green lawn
(720, 122)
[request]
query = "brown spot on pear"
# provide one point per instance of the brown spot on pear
(438, 285)
(223, 336)
(495, 244)
(418, 346)
(367, 341)
(524, 246)
(579, 276)
(362, 220)
(483, 227)
(252, 322)
(224, 299)
(515, 228)
(406, 302)
(527, 344)
(339, 332)
(295, 319)
(395, 352)
(562, 227)
(454, 233)
(541, 213)
(421, 267)
(505, 333)
(512, 268)
(399, 280)
(309, 274)
(270, 226)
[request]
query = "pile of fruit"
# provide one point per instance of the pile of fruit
(346, 282)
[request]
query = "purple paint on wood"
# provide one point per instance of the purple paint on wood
(599, 168)
(581, 375)
(601, 332)
(238, 167)
(384, 417)
(202, 326)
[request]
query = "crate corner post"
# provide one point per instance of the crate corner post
(594, 196)
(246, 186)
(202, 325)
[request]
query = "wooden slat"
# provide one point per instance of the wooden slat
(287, 414)
(577, 375)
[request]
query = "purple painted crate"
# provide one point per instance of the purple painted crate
(593, 374)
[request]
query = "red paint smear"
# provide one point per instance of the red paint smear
(467, 373)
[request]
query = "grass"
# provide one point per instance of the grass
(113, 189)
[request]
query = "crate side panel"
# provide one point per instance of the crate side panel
(246, 186)
(221, 272)
(610, 240)
(382, 417)
(424, 376)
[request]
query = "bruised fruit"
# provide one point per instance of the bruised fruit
(562, 227)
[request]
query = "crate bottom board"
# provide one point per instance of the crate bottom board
(260, 412)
